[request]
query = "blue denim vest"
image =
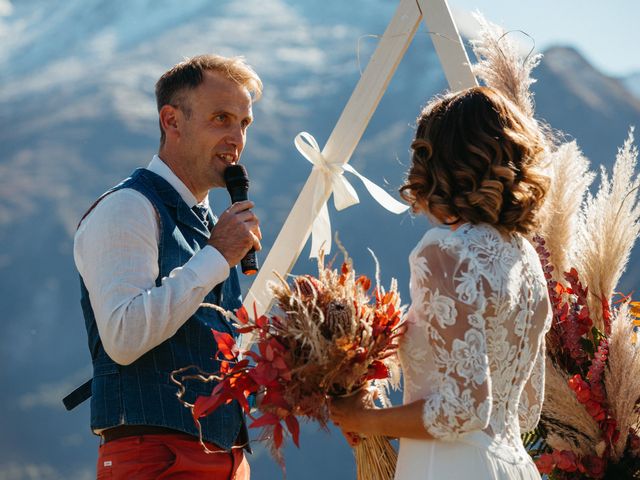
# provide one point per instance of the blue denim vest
(142, 393)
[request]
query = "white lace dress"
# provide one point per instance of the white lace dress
(474, 351)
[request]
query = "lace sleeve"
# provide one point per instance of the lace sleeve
(530, 405)
(447, 298)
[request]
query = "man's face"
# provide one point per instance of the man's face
(212, 137)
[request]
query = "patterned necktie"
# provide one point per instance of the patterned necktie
(201, 212)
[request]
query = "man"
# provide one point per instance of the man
(149, 252)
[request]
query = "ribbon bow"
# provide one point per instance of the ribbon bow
(330, 178)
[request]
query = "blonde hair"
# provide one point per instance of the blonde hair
(189, 74)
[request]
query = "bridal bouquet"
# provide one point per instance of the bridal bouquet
(590, 419)
(330, 335)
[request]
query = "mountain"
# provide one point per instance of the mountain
(594, 109)
(78, 113)
(632, 82)
(569, 88)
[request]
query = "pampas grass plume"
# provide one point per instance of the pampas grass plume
(570, 179)
(501, 65)
(566, 420)
(623, 386)
(610, 224)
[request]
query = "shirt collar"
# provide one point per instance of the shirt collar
(158, 167)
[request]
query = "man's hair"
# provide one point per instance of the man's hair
(477, 158)
(187, 75)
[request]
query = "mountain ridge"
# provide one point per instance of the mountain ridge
(79, 124)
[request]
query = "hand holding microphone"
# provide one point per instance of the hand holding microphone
(237, 229)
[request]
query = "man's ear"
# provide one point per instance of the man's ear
(168, 116)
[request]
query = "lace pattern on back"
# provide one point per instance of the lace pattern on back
(474, 348)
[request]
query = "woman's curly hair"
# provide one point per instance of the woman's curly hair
(476, 158)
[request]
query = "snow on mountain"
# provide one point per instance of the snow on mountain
(116, 49)
(78, 114)
(77, 92)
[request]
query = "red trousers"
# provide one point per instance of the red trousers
(175, 457)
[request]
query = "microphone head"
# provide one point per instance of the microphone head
(235, 176)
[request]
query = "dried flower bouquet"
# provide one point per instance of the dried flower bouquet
(329, 335)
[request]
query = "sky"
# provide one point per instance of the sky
(605, 32)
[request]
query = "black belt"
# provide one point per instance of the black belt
(123, 431)
(79, 395)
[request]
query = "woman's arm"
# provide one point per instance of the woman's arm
(352, 415)
(446, 300)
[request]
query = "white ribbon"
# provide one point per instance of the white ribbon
(330, 178)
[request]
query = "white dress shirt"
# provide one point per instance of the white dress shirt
(116, 253)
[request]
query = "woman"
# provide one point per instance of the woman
(473, 352)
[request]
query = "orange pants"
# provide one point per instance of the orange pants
(175, 457)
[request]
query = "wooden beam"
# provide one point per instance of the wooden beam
(353, 122)
(340, 146)
(448, 44)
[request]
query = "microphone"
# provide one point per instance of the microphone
(237, 180)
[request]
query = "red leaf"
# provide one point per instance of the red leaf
(364, 282)
(377, 370)
(280, 364)
(226, 345)
(277, 435)
(243, 316)
(264, 374)
(262, 321)
(294, 428)
(225, 367)
(269, 353)
(247, 329)
(262, 347)
(264, 420)
(237, 389)
(241, 364)
(207, 404)
(274, 398)
(390, 310)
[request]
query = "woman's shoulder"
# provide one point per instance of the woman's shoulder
(468, 239)
(449, 239)
(471, 241)
(433, 236)
(485, 239)
(475, 232)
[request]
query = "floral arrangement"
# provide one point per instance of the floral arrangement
(578, 352)
(590, 420)
(330, 335)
